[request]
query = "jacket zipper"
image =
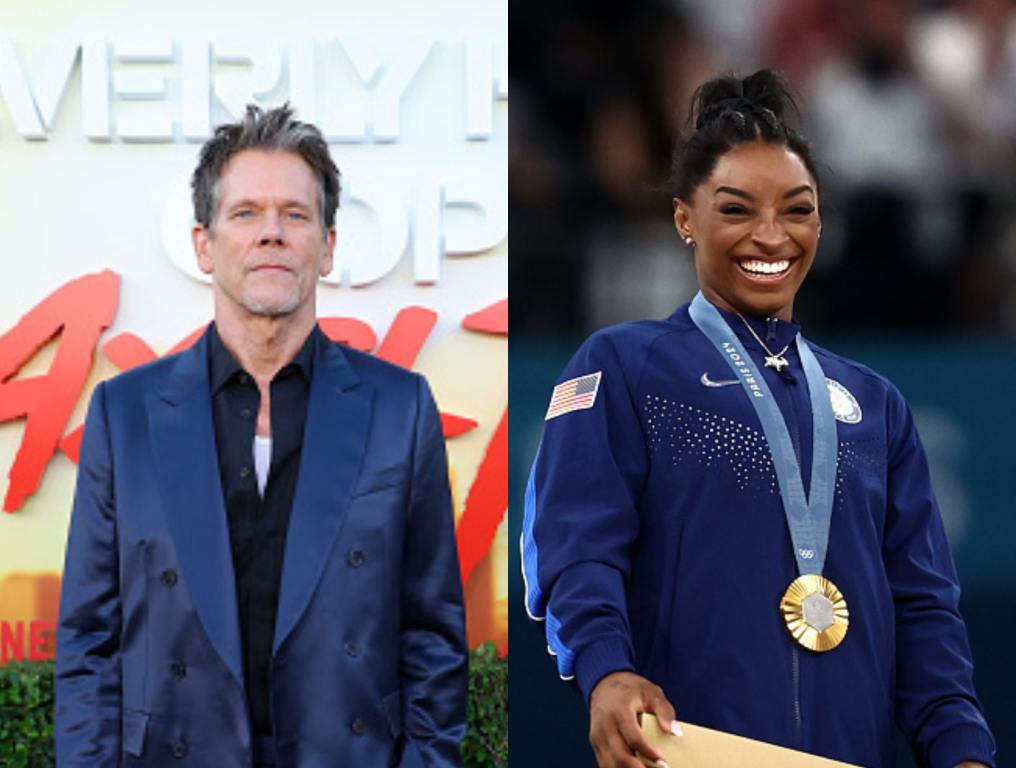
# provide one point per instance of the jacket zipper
(796, 667)
(795, 439)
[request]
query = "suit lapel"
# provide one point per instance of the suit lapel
(334, 443)
(183, 441)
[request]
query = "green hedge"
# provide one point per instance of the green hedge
(26, 712)
(486, 741)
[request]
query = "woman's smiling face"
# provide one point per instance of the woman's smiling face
(755, 223)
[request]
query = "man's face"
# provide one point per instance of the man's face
(266, 247)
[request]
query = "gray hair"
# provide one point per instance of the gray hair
(274, 130)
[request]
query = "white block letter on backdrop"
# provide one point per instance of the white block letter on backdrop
(135, 80)
(373, 230)
(488, 209)
(236, 90)
(196, 89)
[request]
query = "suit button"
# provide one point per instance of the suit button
(179, 669)
(355, 558)
(352, 649)
(359, 727)
(179, 749)
(244, 472)
(169, 577)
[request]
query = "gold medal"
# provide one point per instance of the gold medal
(815, 612)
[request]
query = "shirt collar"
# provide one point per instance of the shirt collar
(774, 332)
(222, 366)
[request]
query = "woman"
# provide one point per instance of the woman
(727, 519)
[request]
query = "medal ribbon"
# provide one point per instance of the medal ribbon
(807, 518)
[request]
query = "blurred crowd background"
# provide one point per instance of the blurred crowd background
(911, 106)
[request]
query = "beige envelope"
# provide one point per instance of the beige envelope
(705, 748)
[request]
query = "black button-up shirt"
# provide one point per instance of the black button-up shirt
(258, 526)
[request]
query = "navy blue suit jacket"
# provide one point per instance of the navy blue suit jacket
(369, 657)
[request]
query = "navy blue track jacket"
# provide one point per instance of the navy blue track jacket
(654, 540)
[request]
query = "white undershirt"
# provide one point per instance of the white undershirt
(262, 460)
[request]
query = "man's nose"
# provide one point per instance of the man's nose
(272, 231)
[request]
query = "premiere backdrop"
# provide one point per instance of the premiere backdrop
(103, 106)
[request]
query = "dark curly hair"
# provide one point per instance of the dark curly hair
(727, 111)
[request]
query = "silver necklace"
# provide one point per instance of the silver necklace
(773, 360)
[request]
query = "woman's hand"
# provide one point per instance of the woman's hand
(614, 706)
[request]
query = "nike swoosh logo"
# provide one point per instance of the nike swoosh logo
(710, 383)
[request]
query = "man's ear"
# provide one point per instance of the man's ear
(328, 262)
(201, 237)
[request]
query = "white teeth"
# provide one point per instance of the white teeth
(765, 267)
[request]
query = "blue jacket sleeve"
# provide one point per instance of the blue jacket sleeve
(581, 520)
(434, 658)
(87, 715)
(936, 705)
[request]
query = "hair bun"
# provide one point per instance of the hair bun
(766, 90)
(728, 111)
(762, 93)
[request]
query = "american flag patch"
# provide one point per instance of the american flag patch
(574, 395)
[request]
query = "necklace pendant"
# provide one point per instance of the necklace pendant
(776, 361)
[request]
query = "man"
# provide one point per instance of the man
(261, 566)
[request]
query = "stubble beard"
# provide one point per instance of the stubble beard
(275, 306)
(265, 309)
